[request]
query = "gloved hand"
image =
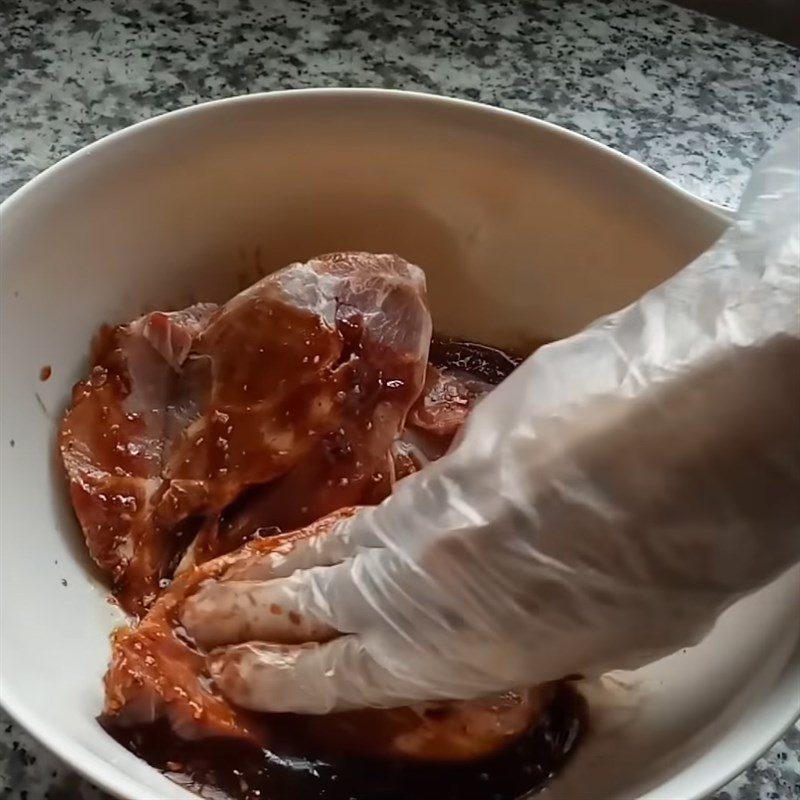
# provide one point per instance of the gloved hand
(601, 508)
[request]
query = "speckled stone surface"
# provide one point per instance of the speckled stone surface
(697, 99)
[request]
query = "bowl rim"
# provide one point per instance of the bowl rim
(399, 95)
(109, 776)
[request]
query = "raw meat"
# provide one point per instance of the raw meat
(306, 377)
(210, 429)
(156, 672)
(112, 443)
(448, 398)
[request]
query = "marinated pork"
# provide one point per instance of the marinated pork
(286, 399)
(204, 437)
(157, 672)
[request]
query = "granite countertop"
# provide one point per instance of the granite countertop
(697, 99)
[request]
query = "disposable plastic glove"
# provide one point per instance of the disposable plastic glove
(603, 506)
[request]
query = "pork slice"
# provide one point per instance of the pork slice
(459, 375)
(445, 403)
(337, 473)
(157, 673)
(112, 447)
(442, 407)
(449, 731)
(326, 417)
(315, 361)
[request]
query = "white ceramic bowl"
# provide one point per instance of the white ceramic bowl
(525, 230)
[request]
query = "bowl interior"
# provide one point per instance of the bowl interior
(525, 233)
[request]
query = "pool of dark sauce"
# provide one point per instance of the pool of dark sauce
(485, 363)
(292, 770)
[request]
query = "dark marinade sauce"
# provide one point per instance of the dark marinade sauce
(478, 360)
(243, 772)
(292, 771)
